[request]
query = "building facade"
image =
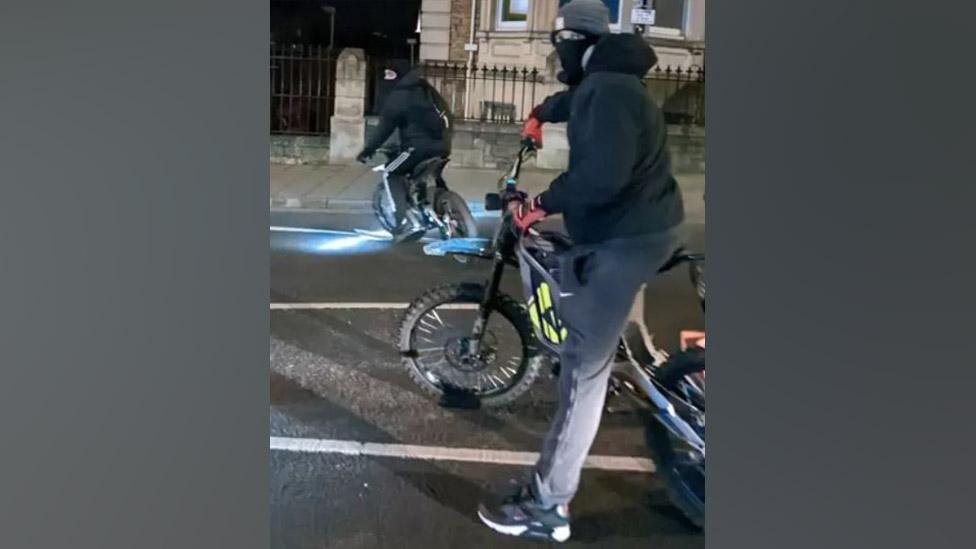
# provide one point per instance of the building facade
(515, 33)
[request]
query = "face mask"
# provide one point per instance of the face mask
(571, 58)
(570, 47)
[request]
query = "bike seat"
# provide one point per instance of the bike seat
(429, 167)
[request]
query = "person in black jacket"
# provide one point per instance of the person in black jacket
(425, 124)
(622, 209)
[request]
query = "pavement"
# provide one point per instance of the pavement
(350, 187)
(360, 457)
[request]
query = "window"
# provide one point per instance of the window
(513, 14)
(669, 17)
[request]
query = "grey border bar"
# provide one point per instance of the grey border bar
(135, 274)
(840, 267)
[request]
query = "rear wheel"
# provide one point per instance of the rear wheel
(681, 467)
(434, 342)
(454, 211)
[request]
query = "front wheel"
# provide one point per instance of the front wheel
(680, 467)
(436, 346)
(454, 212)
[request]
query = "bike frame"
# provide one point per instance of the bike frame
(428, 216)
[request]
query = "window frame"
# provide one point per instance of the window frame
(677, 33)
(502, 25)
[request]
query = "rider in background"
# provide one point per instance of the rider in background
(622, 209)
(425, 123)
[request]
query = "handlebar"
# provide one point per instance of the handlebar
(508, 183)
(525, 152)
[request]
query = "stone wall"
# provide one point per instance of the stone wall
(686, 145)
(299, 149)
(479, 145)
(475, 144)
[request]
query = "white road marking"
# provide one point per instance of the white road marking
(278, 229)
(443, 453)
(362, 305)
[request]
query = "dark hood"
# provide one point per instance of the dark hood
(412, 78)
(625, 53)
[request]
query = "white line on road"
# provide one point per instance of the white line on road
(443, 453)
(278, 229)
(361, 305)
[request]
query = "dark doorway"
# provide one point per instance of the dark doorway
(380, 27)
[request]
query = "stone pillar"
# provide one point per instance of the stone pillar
(435, 30)
(460, 30)
(543, 17)
(347, 126)
(695, 21)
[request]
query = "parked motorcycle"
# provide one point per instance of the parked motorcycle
(475, 340)
(445, 211)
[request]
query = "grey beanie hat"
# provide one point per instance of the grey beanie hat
(588, 16)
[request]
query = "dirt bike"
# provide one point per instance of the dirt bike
(497, 351)
(446, 212)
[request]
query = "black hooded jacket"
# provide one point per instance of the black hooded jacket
(619, 181)
(420, 113)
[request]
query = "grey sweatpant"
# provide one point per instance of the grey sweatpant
(603, 280)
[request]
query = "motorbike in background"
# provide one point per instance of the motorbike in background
(445, 211)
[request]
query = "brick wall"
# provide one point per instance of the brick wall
(460, 29)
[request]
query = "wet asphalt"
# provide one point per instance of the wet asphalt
(334, 374)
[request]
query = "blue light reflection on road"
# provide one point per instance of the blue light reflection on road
(331, 242)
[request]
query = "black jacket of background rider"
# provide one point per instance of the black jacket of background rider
(420, 113)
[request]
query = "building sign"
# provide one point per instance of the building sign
(640, 16)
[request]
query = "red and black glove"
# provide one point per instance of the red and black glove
(532, 129)
(526, 213)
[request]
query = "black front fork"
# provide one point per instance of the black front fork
(484, 308)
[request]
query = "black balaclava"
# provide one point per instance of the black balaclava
(571, 54)
(590, 18)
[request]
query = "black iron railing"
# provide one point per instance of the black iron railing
(495, 94)
(302, 89)
(680, 92)
(488, 93)
(485, 93)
